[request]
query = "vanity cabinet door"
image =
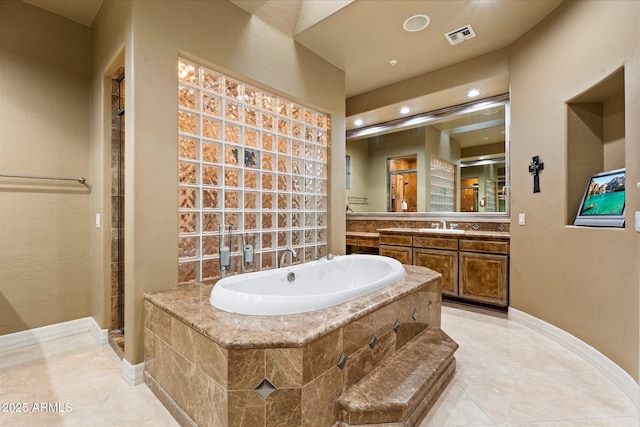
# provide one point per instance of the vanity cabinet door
(444, 262)
(484, 278)
(401, 253)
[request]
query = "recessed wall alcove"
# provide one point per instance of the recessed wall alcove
(595, 136)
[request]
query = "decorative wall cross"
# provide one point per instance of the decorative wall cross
(534, 169)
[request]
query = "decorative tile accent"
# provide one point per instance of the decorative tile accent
(429, 305)
(372, 341)
(342, 361)
(265, 389)
(396, 325)
(415, 314)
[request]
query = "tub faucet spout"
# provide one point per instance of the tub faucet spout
(284, 253)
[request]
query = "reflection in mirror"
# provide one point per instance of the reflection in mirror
(450, 160)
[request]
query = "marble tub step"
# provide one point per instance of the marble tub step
(401, 390)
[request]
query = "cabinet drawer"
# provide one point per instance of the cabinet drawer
(387, 239)
(484, 246)
(402, 254)
(370, 243)
(435, 243)
(351, 241)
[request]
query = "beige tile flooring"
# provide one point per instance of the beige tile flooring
(507, 375)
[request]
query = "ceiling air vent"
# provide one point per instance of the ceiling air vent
(461, 34)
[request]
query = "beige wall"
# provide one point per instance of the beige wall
(216, 34)
(584, 281)
(44, 131)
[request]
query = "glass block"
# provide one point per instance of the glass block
(251, 158)
(321, 186)
(284, 182)
(297, 184)
(232, 199)
(187, 247)
(268, 240)
(283, 220)
(251, 179)
(251, 200)
(210, 222)
(283, 201)
(268, 181)
(283, 239)
(310, 117)
(251, 138)
(211, 175)
(211, 199)
(309, 168)
(210, 269)
(284, 164)
(211, 104)
(322, 138)
(321, 235)
(321, 170)
(187, 148)
(187, 173)
(309, 253)
(268, 260)
(187, 198)
(310, 151)
(268, 102)
(187, 97)
(297, 237)
(251, 221)
(284, 127)
(309, 219)
(322, 154)
(321, 251)
(210, 245)
(232, 111)
(321, 219)
(309, 185)
(187, 271)
(296, 202)
(211, 152)
(268, 121)
(309, 202)
(188, 72)
(232, 133)
(252, 117)
(268, 222)
(297, 148)
(233, 218)
(296, 219)
(187, 122)
(323, 121)
(252, 96)
(297, 166)
(232, 155)
(211, 128)
(309, 237)
(232, 177)
(268, 141)
(297, 112)
(321, 203)
(211, 81)
(284, 145)
(284, 107)
(268, 161)
(296, 130)
(188, 222)
(310, 134)
(233, 88)
(268, 201)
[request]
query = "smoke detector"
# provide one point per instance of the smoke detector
(461, 34)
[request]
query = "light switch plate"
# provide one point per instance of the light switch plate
(97, 220)
(638, 222)
(521, 219)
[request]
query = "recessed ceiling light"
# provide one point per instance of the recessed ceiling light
(404, 110)
(393, 62)
(358, 122)
(416, 23)
(473, 93)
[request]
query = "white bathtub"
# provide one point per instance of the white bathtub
(318, 284)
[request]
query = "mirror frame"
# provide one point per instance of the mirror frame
(423, 119)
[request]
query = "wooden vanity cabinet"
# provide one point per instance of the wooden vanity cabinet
(441, 255)
(484, 271)
(398, 247)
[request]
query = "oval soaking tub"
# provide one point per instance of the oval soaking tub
(315, 285)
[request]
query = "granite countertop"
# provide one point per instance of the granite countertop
(504, 235)
(190, 304)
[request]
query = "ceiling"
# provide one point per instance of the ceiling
(361, 37)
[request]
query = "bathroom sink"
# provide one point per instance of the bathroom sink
(442, 230)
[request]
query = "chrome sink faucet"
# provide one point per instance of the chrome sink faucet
(284, 253)
(443, 223)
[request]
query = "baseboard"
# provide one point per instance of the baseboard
(132, 374)
(21, 339)
(602, 363)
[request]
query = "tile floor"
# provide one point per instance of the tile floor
(507, 375)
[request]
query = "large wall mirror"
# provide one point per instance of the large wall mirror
(450, 160)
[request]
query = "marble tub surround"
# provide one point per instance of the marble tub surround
(208, 366)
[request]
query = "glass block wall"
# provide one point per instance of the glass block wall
(252, 162)
(443, 185)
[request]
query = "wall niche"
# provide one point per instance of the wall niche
(595, 136)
